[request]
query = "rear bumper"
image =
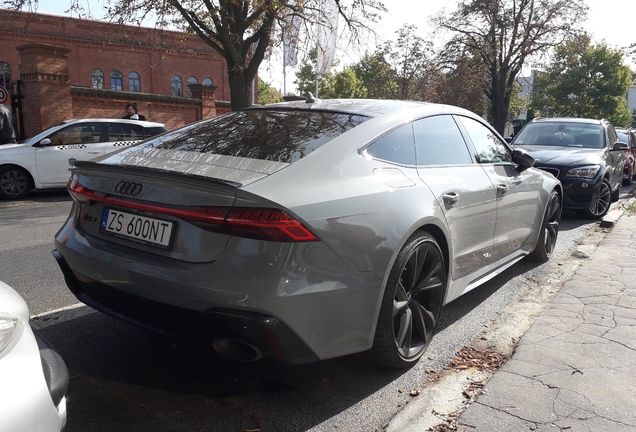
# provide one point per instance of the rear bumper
(267, 333)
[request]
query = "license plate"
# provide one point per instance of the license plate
(140, 229)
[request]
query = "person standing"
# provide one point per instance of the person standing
(7, 135)
(131, 113)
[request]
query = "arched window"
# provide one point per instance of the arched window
(208, 81)
(97, 79)
(176, 86)
(5, 75)
(134, 83)
(191, 80)
(116, 81)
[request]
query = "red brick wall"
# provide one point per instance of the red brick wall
(155, 55)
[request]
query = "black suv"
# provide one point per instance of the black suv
(585, 154)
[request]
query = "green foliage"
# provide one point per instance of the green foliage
(585, 80)
(267, 94)
(344, 84)
(399, 70)
(501, 34)
(376, 76)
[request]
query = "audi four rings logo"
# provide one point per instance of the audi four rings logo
(128, 188)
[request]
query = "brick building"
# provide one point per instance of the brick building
(73, 68)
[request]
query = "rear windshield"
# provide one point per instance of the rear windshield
(562, 134)
(280, 136)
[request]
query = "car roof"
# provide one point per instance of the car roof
(112, 120)
(364, 107)
(568, 120)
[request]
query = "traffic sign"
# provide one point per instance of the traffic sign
(4, 96)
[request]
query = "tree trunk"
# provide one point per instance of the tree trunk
(240, 88)
(498, 105)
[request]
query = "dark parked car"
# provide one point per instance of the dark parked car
(585, 154)
(306, 230)
(629, 171)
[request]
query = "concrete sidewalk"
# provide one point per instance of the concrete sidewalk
(575, 368)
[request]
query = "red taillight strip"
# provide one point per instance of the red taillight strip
(199, 214)
(260, 223)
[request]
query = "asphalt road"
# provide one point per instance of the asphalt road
(124, 378)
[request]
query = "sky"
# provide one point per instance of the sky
(613, 21)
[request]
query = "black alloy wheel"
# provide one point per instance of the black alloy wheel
(549, 229)
(14, 182)
(601, 205)
(411, 304)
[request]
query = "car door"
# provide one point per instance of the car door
(616, 159)
(461, 188)
(80, 141)
(517, 191)
(121, 134)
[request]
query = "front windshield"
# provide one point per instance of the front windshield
(562, 134)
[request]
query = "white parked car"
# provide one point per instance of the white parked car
(42, 162)
(33, 377)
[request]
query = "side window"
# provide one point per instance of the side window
(176, 85)
(85, 133)
(134, 83)
(438, 141)
(398, 146)
(125, 132)
(116, 81)
(490, 148)
(191, 80)
(5, 75)
(97, 79)
(611, 135)
(152, 131)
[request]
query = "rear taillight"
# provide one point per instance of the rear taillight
(259, 223)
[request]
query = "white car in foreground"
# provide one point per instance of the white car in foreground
(42, 162)
(33, 377)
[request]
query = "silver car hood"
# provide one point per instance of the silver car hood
(229, 168)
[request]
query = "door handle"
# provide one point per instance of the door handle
(502, 189)
(450, 198)
(94, 152)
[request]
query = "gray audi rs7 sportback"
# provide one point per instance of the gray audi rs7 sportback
(306, 230)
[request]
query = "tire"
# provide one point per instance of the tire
(601, 205)
(411, 303)
(617, 193)
(628, 180)
(549, 229)
(15, 182)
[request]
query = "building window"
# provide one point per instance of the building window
(5, 75)
(176, 86)
(208, 81)
(116, 81)
(191, 80)
(97, 79)
(134, 83)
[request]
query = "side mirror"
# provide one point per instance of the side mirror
(42, 143)
(508, 140)
(619, 145)
(522, 158)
